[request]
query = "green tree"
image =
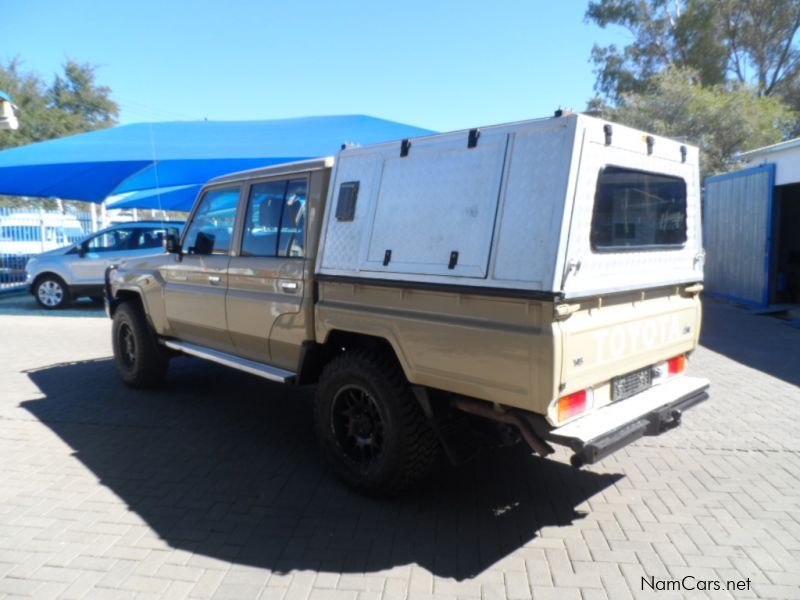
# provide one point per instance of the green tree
(722, 74)
(723, 120)
(745, 41)
(86, 105)
(72, 103)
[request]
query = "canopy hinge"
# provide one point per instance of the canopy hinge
(453, 260)
(472, 140)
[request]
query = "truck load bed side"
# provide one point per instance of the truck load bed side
(497, 348)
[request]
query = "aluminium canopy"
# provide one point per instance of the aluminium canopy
(154, 156)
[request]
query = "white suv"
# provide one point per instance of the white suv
(56, 277)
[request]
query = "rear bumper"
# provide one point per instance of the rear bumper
(652, 412)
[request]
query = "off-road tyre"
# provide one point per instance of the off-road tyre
(409, 447)
(51, 292)
(141, 361)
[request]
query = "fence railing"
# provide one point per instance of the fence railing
(26, 232)
(12, 271)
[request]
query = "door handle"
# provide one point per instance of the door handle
(289, 286)
(214, 279)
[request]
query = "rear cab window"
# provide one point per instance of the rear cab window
(638, 210)
(275, 221)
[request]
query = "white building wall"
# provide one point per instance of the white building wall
(787, 164)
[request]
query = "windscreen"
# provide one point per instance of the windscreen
(638, 210)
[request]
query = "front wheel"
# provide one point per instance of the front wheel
(141, 360)
(370, 427)
(51, 292)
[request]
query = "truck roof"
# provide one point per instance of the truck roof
(313, 164)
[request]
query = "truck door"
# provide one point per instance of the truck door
(195, 284)
(265, 279)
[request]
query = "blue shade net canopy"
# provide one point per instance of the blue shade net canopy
(176, 197)
(163, 165)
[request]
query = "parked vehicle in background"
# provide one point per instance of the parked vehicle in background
(535, 281)
(25, 232)
(58, 276)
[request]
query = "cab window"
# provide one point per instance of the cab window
(634, 210)
(275, 221)
(211, 229)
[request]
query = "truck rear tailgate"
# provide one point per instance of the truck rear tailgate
(611, 337)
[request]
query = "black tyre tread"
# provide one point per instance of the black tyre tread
(152, 361)
(418, 439)
(66, 300)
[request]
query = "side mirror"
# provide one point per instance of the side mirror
(83, 249)
(172, 244)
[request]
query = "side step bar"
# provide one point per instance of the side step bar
(229, 360)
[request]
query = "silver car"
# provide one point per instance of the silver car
(57, 277)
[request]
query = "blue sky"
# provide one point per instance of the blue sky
(437, 64)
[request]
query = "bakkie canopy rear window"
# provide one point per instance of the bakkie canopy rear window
(638, 210)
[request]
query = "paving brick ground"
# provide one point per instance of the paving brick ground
(212, 487)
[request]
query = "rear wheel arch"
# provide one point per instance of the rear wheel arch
(317, 355)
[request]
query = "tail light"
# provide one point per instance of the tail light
(676, 365)
(569, 406)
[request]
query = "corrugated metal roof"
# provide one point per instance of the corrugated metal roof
(779, 147)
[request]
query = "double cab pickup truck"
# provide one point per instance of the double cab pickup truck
(536, 281)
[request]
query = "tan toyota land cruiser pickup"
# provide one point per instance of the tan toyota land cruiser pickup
(534, 281)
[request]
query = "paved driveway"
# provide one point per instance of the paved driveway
(212, 487)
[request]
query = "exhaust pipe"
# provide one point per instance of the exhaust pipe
(507, 417)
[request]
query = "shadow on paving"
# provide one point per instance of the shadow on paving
(758, 341)
(224, 464)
